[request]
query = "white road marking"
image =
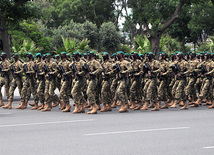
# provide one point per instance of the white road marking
(134, 131)
(5, 113)
(209, 147)
(45, 123)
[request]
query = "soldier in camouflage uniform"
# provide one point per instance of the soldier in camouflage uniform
(106, 97)
(29, 82)
(5, 75)
(16, 81)
(150, 88)
(135, 94)
(40, 76)
(78, 83)
(65, 81)
(190, 89)
(206, 67)
(50, 84)
(180, 82)
(124, 69)
(94, 73)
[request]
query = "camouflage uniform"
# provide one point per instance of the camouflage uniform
(29, 82)
(5, 77)
(17, 80)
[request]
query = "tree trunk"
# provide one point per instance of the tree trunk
(5, 36)
(155, 42)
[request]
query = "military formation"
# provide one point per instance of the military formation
(130, 81)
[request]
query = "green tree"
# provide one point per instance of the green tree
(109, 37)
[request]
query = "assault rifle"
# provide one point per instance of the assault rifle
(25, 70)
(176, 69)
(148, 68)
(75, 71)
(12, 67)
(47, 71)
(36, 68)
(104, 71)
(1, 70)
(62, 72)
(88, 70)
(117, 65)
(204, 71)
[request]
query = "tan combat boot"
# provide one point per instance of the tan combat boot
(81, 109)
(181, 103)
(8, 106)
(185, 107)
(119, 103)
(113, 104)
(175, 104)
(32, 104)
(197, 103)
(47, 107)
(76, 109)
(151, 105)
(156, 108)
(62, 105)
(94, 109)
(67, 108)
(55, 104)
(22, 106)
(165, 106)
(124, 108)
(1, 103)
(35, 107)
(212, 106)
(41, 107)
(108, 107)
(171, 103)
(133, 105)
(104, 108)
(145, 106)
(137, 107)
(91, 107)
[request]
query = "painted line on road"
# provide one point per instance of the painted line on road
(5, 113)
(135, 131)
(209, 147)
(45, 123)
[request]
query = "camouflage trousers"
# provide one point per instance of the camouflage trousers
(16, 82)
(121, 92)
(135, 92)
(113, 88)
(162, 90)
(64, 91)
(150, 90)
(49, 94)
(105, 92)
(92, 91)
(205, 89)
(4, 81)
(41, 89)
(178, 90)
(190, 89)
(29, 84)
(76, 91)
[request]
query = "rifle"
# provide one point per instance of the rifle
(104, 71)
(35, 67)
(12, 67)
(47, 70)
(1, 69)
(117, 65)
(62, 72)
(75, 71)
(148, 68)
(88, 70)
(204, 71)
(25, 70)
(176, 69)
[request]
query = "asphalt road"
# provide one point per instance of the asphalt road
(168, 132)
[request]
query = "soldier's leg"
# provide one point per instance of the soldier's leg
(180, 94)
(24, 91)
(40, 92)
(64, 96)
(2, 82)
(105, 96)
(91, 93)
